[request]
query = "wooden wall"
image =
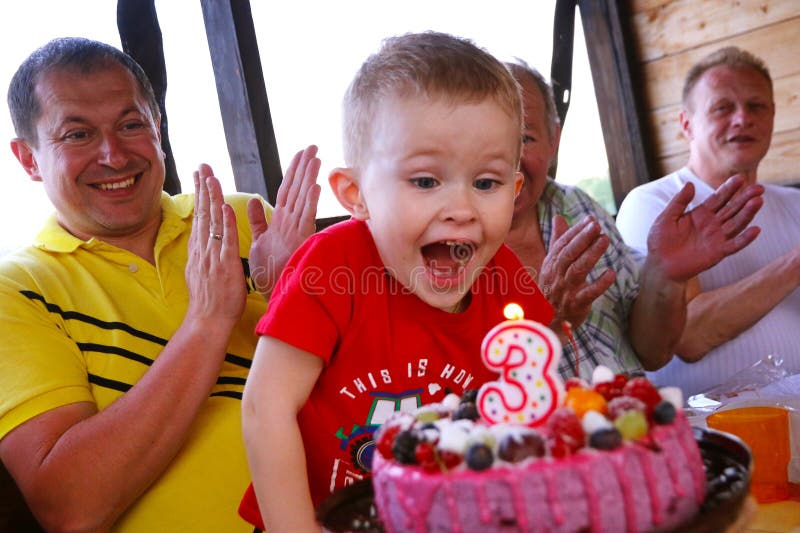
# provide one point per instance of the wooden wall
(671, 35)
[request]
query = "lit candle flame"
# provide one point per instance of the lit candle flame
(513, 312)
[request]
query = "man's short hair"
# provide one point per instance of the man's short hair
(730, 56)
(66, 53)
(520, 70)
(430, 63)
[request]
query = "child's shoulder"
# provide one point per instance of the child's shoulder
(347, 239)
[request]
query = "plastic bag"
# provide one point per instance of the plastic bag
(766, 382)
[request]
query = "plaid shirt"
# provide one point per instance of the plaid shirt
(602, 338)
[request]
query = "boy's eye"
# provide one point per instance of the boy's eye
(424, 183)
(485, 184)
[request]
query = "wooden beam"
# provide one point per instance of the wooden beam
(561, 62)
(242, 96)
(618, 99)
(140, 35)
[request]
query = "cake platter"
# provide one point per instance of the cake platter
(728, 466)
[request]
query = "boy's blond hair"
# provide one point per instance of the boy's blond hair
(424, 64)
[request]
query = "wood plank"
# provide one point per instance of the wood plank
(663, 79)
(629, 162)
(683, 24)
(638, 6)
(781, 165)
(668, 137)
(242, 97)
(140, 35)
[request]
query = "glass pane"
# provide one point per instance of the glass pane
(309, 55)
(310, 58)
(582, 157)
(195, 123)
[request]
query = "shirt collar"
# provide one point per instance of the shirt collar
(175, 210)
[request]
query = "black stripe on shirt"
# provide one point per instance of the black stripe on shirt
(116, 350)
(227, 394)
(109, 383)
(74, 315)
(125, 387)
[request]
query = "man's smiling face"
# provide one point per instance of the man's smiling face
(98, 152)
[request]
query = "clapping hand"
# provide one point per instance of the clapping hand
(293, 220)
(685, 243)
(573, 253)
(214, 273)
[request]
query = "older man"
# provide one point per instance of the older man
(126, 330)
(747, 306)
(627, 315)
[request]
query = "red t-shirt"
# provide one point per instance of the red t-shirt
(385, 349)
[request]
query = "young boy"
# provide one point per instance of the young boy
(387, 311)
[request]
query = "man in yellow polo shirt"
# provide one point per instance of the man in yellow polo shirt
(126, 329)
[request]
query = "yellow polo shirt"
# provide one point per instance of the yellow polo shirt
(84, 320)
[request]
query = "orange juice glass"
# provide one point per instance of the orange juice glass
(766, 432)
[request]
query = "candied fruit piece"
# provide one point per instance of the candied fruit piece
(602, 373)
(559, 448)
(479, 457)
(385, 439)
(466, 410)
(592, 421)
(470, 395)
(451, 401)
(515, 447)
(644, 390)
(631, 424)
(582, 400)
(608, 390)
(425, 455)
(664, 413)
(674, 395)
(450, 459)
(619, 405)
(575, 382)
(565, 429)
(404, 447)
(605, 439)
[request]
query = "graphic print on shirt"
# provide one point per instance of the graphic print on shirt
(358, 443)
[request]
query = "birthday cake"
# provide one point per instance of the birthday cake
(528, 453)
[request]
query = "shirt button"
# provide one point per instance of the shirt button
(133, 268)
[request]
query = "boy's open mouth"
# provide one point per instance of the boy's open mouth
(447, 258)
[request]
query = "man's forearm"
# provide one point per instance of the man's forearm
(717, 316)
(81, 468)
(657, 317)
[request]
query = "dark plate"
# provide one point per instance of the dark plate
(728, 466)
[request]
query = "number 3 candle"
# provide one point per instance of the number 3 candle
(525, 354)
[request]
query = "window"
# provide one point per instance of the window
(309, 53)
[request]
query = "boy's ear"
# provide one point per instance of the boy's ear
(347, 190)
(25, 156)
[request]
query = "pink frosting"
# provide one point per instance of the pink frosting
(634, 488)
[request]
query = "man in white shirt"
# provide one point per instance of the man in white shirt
(747, 306)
